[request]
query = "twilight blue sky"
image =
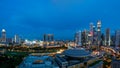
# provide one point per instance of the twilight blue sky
(32, 18)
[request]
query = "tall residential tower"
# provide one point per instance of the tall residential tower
(3, 35)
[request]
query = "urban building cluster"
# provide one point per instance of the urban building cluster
(78, 54)
(71, 58)
(95, 36)
(4, 40)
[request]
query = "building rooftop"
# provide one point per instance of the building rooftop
(38, 62)
(71, 61)
(78, 53)
(3, 30)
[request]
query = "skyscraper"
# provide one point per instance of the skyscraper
(94, 36)
(91, 32)
(84, 37)
(107, 37)
(117, 38)
(3, 35)
(99, 32)
(91, 26)
(48, 39)
(113, 39)
(102, 39)
(78, 38)
(16, 39)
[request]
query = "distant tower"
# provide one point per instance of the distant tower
(78, 38)
(84, 37)
(16, 39)
(102, 39)
(48, 38)
(45, 38)
(117, 38)
(91, 32)
(99, 32)
(3, 37)
(94, 35)
(107, 38)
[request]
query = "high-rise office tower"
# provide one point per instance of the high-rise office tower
(45, 38)
(117, 38)
(94, 36)
(78, 38)
(102, 39)
(3, 36)
(91, 26)
(91, 32)
(48, 39)
(84, 37)
(16, 39)
(113, 40)
(107, 37)
(99, 32)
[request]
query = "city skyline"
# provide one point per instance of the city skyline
(32, 19)
(91, 26)
(59, 34)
